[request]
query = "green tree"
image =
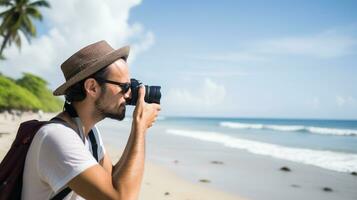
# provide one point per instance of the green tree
(18, 18)
(38, 87)
(13, 96)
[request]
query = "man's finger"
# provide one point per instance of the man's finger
(157, 107)
(141, 94)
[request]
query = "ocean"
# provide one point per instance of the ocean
(243, 156)
(330, 144)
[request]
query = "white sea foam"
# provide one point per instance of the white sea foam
(342, 162)
(300, 128)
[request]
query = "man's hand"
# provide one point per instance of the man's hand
(144, 114)
(124, 183)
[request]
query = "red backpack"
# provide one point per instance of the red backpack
(12, 166)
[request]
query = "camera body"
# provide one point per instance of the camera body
(152, 93)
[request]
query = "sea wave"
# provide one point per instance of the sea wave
(295, 128)
(342, 162)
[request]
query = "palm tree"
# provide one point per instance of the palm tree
(18, 18)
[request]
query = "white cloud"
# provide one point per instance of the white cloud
(344, 101)
(215, 74)
(74, 24)
(241, 56)
(323, 45)
(328, 44)
(196, 98)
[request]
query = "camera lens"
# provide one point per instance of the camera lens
(152, 93)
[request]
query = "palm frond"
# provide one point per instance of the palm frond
(18, 18)
(6, 3)
(8, 12)
(17, 40)
(2, 14)
(27, 35)
(28, 26)
(34, 13)
(15, 22)
(40, 3)
(8, 22)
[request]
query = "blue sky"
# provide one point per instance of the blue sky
(225, 38)
(280, 59)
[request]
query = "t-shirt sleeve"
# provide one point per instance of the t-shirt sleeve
(62, 156)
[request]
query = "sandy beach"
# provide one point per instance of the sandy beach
(159, 181)
(246, 100)
(185, 169)
(236, 171)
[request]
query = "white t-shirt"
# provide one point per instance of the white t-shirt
(56, 155)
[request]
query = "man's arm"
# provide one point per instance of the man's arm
(125, 180)
(106, 162)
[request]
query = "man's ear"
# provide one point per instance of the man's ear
(92, 87)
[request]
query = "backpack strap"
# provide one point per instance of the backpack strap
(94, 144)
(62, 194)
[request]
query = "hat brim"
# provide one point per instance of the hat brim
(94, 67)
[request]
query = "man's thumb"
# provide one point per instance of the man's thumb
(141, 93)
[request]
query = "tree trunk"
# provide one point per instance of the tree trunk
(4, 42)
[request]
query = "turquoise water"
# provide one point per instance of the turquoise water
(330, 144)
(317, 151)
(330, 134)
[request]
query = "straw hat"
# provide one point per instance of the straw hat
(87, 61)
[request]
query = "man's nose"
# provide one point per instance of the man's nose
(127, 95)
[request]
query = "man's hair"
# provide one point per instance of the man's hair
(77, 92)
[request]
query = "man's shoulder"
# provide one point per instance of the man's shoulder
(54, 126)
(55, 130)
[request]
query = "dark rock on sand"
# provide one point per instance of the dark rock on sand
(285, 169)
(327, 189)
(217, 162)
(3, 134)
(176, 161)
(354, 173)
(167, 193)
(205, 181)
(295, 185)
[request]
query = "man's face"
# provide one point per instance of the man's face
(112, 100)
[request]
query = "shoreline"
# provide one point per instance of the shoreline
(159, 181)
(236, 171)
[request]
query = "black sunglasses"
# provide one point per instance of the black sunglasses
(124, 86)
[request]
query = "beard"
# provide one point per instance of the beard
(110, 113)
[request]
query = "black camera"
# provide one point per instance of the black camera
(152, 93)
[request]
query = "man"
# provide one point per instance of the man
(58, 157)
